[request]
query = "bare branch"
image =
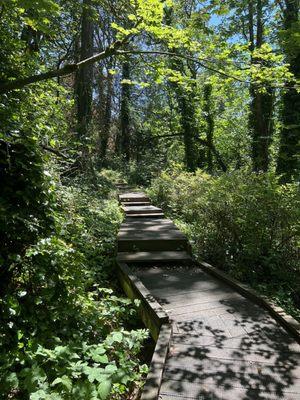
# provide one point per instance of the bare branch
(56, 152)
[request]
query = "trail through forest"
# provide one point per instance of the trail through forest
(197, 103)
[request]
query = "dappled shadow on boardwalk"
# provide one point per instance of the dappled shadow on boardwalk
(223, 346)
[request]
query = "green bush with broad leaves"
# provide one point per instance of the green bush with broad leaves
(244, 223)
(65, 332)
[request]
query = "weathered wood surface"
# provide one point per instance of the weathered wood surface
(133, 197)
(145, 235)
(150, 256)
(223, 346)
(141, 210)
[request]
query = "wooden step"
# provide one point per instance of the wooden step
(129, 210)
(150, 235)
(135, 203)
(133, 216)
(148, 224)
(133, 197)
(149, 256)
(152, 245)
(165, 243)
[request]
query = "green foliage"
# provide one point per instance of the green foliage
(63, 332)
(87, 371)
(244, 223)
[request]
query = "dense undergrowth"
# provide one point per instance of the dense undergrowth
(66, 332)
(244, 223)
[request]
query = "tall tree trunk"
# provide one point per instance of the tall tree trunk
(261, 105)
(185, 101)
(207, 108)
(288, 164)
(187, 118)
(261, 126)
(105, 88)
(84, 79)
(125, 112)
(106, 119)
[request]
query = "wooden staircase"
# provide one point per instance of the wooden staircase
(146, 235)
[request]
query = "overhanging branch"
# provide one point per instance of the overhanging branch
(66, 70)
(110, 51)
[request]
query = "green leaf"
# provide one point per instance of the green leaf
(117, 337)
(64, 381)
(102, 359)
(111, 369)
(104, 389)
(40, 394)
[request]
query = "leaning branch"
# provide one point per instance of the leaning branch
(56, 152)
(66, 70)
(110, 51)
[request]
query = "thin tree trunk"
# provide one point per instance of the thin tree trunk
(84, 78)
(189, 129)
(261, 105)
(209, 125)
(186, 107)
(261, 125)
(125, 112)
(106, 119)
(288, 164)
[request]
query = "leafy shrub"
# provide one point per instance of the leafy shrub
(241, 222)
(64, 331)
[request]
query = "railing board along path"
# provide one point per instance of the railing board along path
(223, 345)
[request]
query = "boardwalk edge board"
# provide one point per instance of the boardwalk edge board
(154, 378)
(287, 321)
(156, 320)
(150, 310)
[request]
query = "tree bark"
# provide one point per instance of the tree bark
(261, 105)
(106, 109)
(125, 112)
(84, 77)
(288, 164)
(207, 108)
(189, 128)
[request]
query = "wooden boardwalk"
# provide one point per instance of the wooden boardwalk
(223, 346)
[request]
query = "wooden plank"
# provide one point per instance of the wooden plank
(150, 235)
(227, 390)
(141, 210)
(260, 342)
(287, 321)
(147, 225)
(135, 203)
(142, 215)
(155, 375)
(150, 256)
(137, 245)
(252, 354)
(133, 196)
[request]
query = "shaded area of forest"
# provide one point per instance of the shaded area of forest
(198, 100)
